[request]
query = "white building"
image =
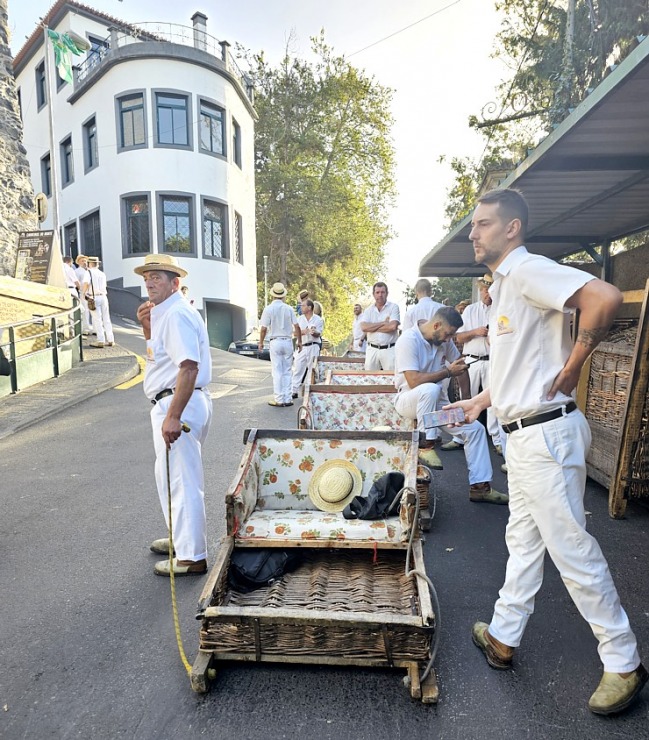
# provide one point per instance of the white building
(150, 150)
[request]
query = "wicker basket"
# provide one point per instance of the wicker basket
(349, 604)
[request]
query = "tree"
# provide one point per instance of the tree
(450, 291)
(324, 178)
(552, 74)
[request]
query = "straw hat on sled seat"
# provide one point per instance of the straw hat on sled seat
(334, 484)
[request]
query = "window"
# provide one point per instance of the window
(46, 175)
(214, 230)
(20, 104)
(137, 226)
(90, 149)
(97, 51)
(91, 235)
(131, 121)
(211, 129)
(176, 220)
(236, 143)
(59, 81)
(238, 238)
(67, 164)
(41, 86)
(172, 118)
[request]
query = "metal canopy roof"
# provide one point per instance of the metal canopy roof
(586, 183)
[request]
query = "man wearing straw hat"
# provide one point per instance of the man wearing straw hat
(96, 287)
(280, 322)
(178, 371)
(82, 276)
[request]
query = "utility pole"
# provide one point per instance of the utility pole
(265, 280)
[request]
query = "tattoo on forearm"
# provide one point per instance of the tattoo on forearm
(590, 338)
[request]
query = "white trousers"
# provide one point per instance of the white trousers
(303, 362)
(281, 354)
(85, 316)
(427, 397)
(101, 320)
(547, 477)
(186, 474)
(479, 378)
(379, 359)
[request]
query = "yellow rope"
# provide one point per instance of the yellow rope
(174, 605)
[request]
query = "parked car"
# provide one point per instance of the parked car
(249, 346)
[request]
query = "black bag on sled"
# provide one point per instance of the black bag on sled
(381, 501)
(255, 567)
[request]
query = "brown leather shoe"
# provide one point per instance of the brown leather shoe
(617, 691)
(483, 493)
(498, 655)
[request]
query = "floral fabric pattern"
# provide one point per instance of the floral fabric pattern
(272, 498)
(349, 378)
(322, 367)
(355, 411)
(304, 525)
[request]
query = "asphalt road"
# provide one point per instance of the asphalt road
(86, 635)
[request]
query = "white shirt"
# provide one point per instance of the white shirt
(529, 332)
(98, 284)
(315, 322)
(474, 316)
(414, 352)
(426, 308)
(278, 318)
(358, 335)
(70, 275)
(372, 315)
(178, 333)
(82, 275)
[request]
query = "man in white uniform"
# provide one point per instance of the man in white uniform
(280, 322)
(311, 327)
(359, 340)
(82, 276)
(425, 357)
(424, 309)
(178, 371)
(96, 288)
(380, 322)
(535, 368)
(71, 280)
(475, 347)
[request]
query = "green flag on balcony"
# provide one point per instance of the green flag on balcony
(63, 47)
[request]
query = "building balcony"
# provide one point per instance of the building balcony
(152, 39)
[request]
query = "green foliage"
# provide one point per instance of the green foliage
(551, 76)
(324, 178)
(450, 291)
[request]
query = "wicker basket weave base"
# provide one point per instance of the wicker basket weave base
(370, 598)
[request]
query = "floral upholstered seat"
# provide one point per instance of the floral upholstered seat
(268, 502)
(352, 411)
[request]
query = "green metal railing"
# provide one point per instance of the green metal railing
(58, 347)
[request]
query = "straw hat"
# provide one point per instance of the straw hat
(80, 257)
(334, 484)
(94, 260)
(160, 262)
(303, 294)
(486, 279)
(278, 290)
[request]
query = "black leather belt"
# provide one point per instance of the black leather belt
(308, 344)
(271, 339)
(478, 357)
(166, 392)
(540, 418)
(381, 346)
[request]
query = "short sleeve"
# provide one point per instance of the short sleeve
(406, 355)
(182, 339)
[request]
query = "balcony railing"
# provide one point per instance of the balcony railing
(162, 33)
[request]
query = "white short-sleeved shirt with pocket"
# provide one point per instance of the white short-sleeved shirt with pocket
(372, 315)
(529, 332)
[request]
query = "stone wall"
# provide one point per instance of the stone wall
(17, 208)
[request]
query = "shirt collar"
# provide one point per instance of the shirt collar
(514, 258)
(163, 307)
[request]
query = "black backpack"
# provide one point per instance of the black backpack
(255, 567)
